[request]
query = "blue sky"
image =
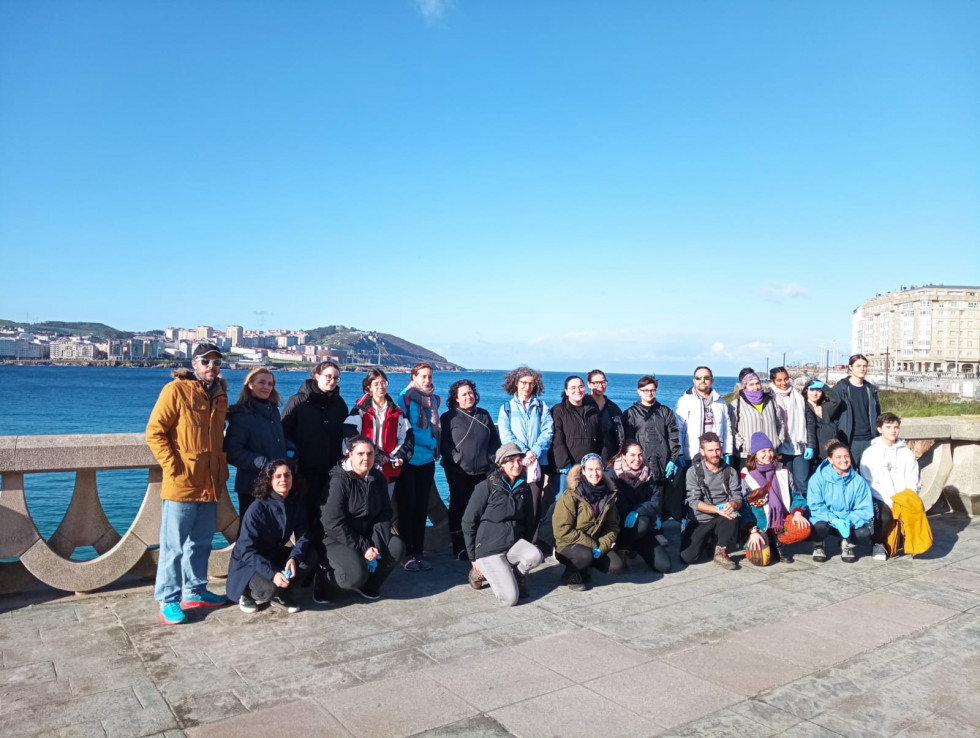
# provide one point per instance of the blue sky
(641, 185)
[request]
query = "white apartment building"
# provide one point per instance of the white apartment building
(920, 329)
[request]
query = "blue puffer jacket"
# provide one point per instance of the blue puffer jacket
(531, 429)
(831, 495)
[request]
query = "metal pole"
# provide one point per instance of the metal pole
(826, 377)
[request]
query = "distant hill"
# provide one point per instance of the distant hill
(100, 330)
(372, 347)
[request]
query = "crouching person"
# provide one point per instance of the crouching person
(586, 523)
(264, 567)
(356, 517)
(498, 525)
(773, 502)
(714, 494)
(840, 504)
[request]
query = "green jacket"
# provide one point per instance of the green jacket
(575, 522)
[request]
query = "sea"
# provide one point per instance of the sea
(48, 400)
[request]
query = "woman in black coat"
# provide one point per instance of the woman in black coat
(577, 429)
(255, 435)
(468, 441)
(263, 565)
(823, 410)
(313, 421)
(498, 525)
(638, 502)
(356, 519)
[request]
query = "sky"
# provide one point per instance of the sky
(636, 185)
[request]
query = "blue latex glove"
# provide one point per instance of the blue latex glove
(565, 469)
(843, 526)
(596, 553)
(286, 573)
(656, 524)
(720, 507)
(631, 519)
(372, 566)
(808, 455)
(290, 454)
(728, 459)
(670, 469)
(681, 462)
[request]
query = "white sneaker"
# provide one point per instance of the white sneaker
(879, 553)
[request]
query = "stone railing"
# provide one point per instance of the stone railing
(85, 522)
(948, 450)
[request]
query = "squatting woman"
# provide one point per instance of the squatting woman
(638, 502)
(497, 527)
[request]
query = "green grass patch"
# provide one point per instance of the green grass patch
(925, 404)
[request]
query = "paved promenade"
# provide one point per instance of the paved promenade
(869, 649)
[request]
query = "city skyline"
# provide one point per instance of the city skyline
(649, 186)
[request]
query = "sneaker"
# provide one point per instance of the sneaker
(721, 558)
(847, 552)
(284, 601)
(204, 599)
(879, 553)
(171, 614)
(575, 582)
(819, 554)
(423, 564)
(412, 565)
(368, 593)
(247, 604)
(476, 579)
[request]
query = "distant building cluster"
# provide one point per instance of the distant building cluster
(931, 329)
(250, 347)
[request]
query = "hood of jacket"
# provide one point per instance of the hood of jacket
(310, 392)
(575, 474)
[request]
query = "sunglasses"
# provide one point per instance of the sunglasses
(702, 377)
(205, 362)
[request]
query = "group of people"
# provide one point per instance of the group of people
(337, 496)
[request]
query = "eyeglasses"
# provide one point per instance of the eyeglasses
(205, 362)
(598, 381)
(702, 378)
(379, 383)
(649, 391)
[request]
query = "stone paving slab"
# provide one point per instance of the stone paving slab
(873, 648)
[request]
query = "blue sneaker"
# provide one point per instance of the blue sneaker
(205, 599)
(171, 614)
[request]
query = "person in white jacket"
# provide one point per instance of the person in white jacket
(889, 466)
(701, 410)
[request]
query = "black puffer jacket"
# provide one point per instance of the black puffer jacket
(497, 516)
(313, 420)
(254, 438)
(468, 441)
(577, 432)
(655, 429)
(643, 499)
(357, 512)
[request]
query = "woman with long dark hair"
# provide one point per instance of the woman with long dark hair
(264, 567)
(577, 432)
(255, 433)
(469, 440)
(638, 502)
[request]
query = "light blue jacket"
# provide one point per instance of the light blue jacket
(531, 428)
(426, 447)
(831, 495)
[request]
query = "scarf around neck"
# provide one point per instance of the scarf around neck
(631, 477)
(590, 493)
(765, 474)
(428, 402)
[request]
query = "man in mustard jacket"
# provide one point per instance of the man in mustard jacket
(186, 435)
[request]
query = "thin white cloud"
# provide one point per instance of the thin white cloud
(433, 10)
(782, 291)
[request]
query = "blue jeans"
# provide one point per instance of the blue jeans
(186, 530)
(799, 469)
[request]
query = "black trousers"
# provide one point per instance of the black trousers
(412, 500)
(580, 557)
(674, 500)
(461, 488)
(262, 588)
(641, 538)
(346, 568)
(722, 529)
(882, 520)
(822, 529)
(317, 485)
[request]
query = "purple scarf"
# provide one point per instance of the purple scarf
(775, 511)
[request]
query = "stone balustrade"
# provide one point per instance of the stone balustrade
(948, 450)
